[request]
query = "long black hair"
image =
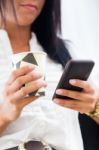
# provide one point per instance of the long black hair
(46, 27)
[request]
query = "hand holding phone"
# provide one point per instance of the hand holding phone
(74, 69)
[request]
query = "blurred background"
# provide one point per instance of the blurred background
(80, 25)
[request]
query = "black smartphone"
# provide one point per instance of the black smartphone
(74, 69)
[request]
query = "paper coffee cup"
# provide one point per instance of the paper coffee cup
(28, 58)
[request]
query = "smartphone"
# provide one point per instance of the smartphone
(74, 69)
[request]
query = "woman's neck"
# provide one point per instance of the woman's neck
(19, 38)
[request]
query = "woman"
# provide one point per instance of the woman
(42, 18)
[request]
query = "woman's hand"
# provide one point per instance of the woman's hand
(85, 101)
(15, 93)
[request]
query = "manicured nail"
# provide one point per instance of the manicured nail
(56, 101)
(72, 81)
(32, 66)
(58, 91)
(45, 85)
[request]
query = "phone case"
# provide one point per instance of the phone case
(75, 69)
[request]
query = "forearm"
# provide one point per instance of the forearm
(3, 122)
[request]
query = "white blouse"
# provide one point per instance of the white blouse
(43, 119)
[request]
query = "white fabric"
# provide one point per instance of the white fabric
(43, 119)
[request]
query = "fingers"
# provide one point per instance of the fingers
(24, 91)
(22, 80)
(76, 105)
(26, 101)
(83, 102)
(16, 93)
(82, 84)
(68, 103)
(75, 95)
(20, 72)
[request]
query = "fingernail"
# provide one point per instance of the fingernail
(32, 66)
(40, 75)
(56, 101)
(58, 91)
(45, 84)
(72, 81)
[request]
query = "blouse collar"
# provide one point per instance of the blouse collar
(6, 44)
